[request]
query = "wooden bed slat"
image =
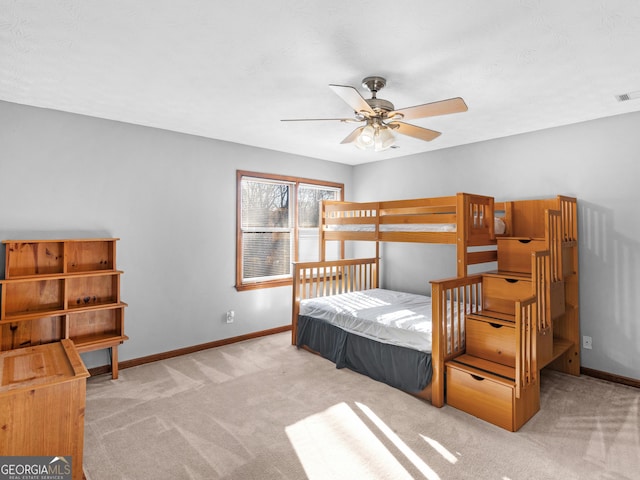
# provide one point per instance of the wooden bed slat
(418, 237)
(405, 219)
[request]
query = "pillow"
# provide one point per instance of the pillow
(499, 226)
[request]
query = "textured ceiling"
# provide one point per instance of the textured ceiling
(232, 70)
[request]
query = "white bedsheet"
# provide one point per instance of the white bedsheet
(394, 227)
(396, 318)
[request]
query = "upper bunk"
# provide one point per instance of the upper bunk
(465, 220)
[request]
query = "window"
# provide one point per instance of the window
(278, 220)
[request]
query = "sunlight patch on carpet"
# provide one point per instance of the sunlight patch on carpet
(402, 446)
(438, 447)
(337, 444)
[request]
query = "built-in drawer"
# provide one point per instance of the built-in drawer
(514, 253)
(483, 396)
(491, 340)
(501, 292)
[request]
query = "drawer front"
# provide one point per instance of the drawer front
(481, 397)
(500, 294)
(491, 341)
(514, 255)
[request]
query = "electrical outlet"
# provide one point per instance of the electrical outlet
(587, 342)
(231, 316)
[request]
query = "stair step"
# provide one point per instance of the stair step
(492, 339)
(489, 391)
(500, 292)
(486, 368)
(493, 316)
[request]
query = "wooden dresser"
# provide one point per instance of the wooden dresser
(42, 402)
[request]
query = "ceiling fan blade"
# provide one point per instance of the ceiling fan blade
(443, 107)
(353, 98)
(345, 120)
(352, 136)
(414, 131)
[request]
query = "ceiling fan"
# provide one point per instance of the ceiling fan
(381, 118)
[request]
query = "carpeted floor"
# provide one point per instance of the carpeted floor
(262, 409)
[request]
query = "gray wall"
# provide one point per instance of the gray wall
(169, 197)
(597, 161)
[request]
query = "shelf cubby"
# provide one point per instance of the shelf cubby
(92, 290)
(28, 297)
(92, 327)
(34, 332)
(90, 256)
(31, 258)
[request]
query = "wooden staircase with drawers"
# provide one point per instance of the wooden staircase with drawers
(528, 319)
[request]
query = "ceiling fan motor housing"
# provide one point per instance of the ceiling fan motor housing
(374, 84)
(380, 105)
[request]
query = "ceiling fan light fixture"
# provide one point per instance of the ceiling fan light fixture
(366, 137)
(383, 139)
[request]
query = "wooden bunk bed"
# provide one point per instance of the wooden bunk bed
(464, 220)
(538, 299)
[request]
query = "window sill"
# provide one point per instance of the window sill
(270, 284)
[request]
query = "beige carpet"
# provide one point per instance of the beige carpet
(262, 409)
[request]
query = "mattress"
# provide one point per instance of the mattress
(499, 227)
(396, 318)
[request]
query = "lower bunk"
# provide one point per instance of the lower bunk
(398, 338)
(399, 367)
(383, 339)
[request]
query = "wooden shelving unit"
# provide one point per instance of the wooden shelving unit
(62, 289)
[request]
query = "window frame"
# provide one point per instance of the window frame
(295, 182)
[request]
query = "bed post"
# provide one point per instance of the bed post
(295, 305)
(321, 241)
(462, 212)
(437, 359)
